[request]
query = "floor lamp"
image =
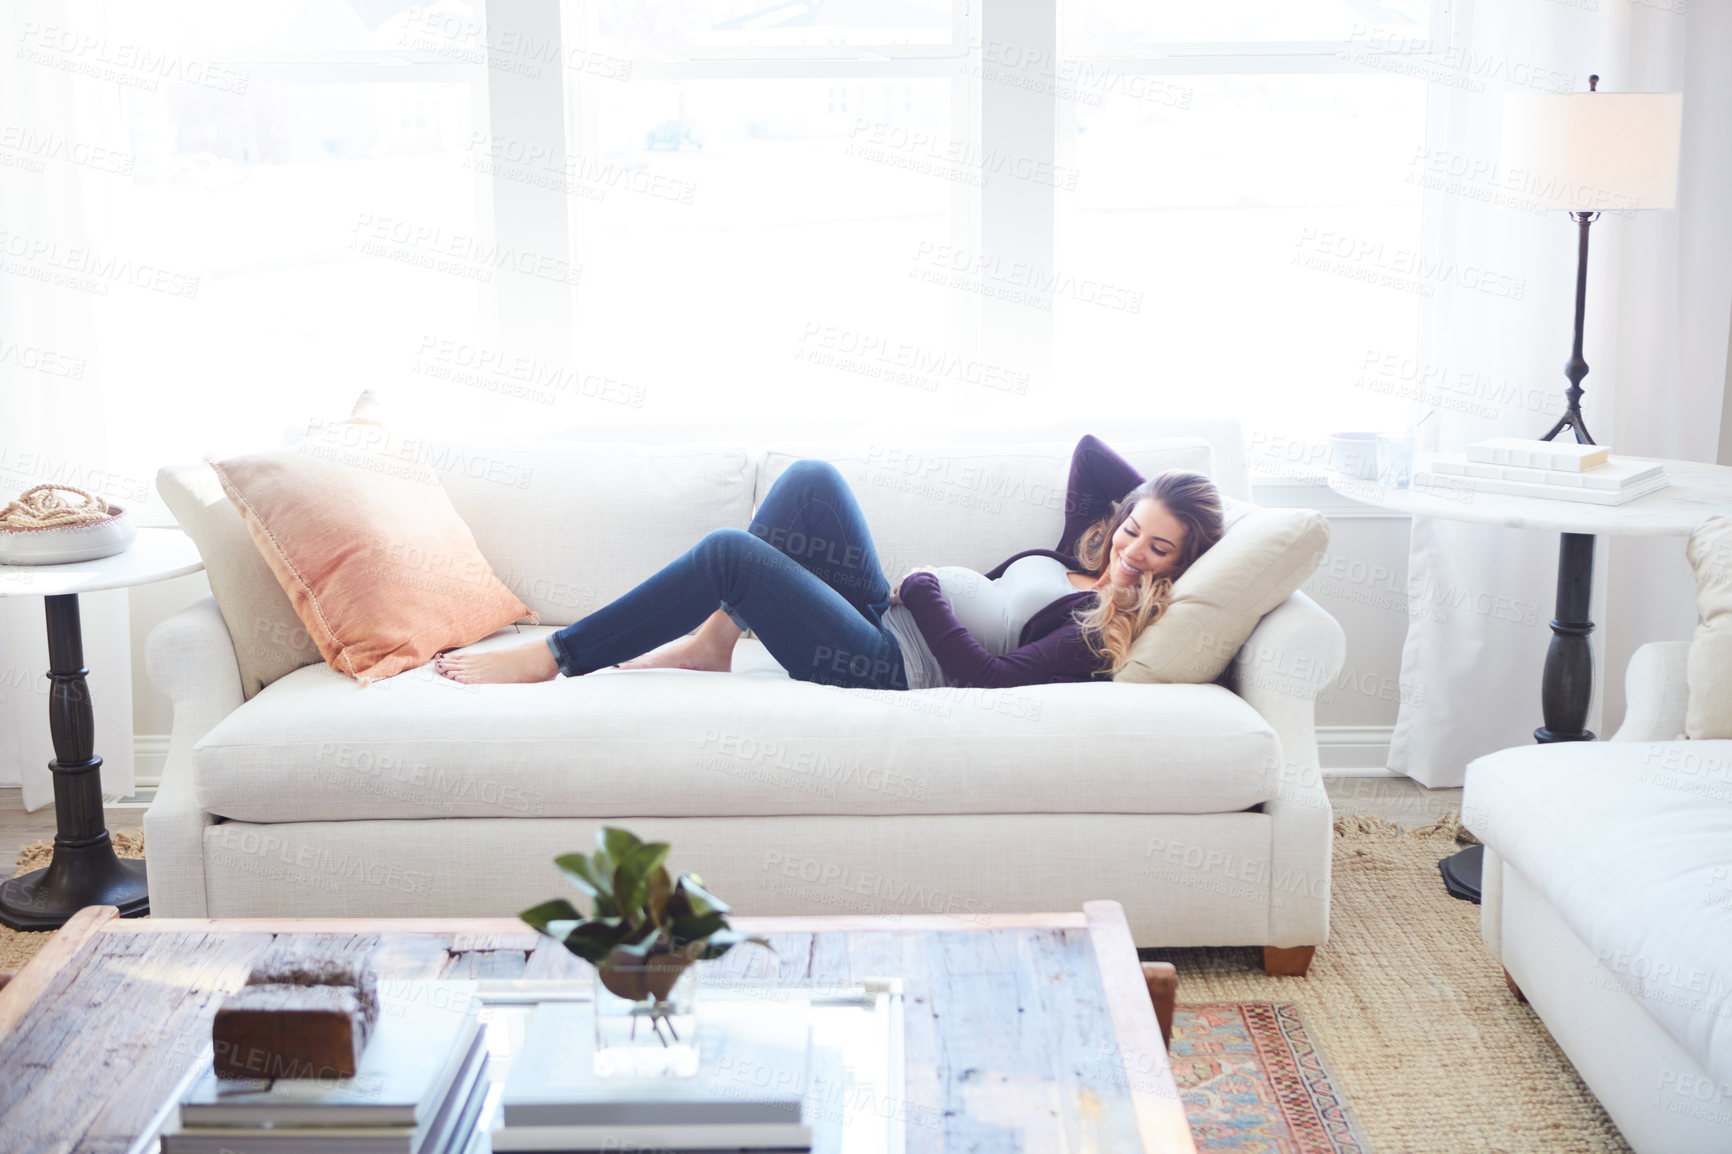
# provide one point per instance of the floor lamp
(1593, 152)
(1588, 153)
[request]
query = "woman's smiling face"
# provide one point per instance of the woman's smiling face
(1147, 541)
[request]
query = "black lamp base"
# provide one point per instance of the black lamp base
(1462, 872)
(92, 875)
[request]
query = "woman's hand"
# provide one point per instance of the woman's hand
(896, 589)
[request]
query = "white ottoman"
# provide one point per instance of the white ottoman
(1608, 900)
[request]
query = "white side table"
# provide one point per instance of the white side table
(1696, 493)
(85, 870)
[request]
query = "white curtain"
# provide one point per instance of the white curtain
(1659, 303)
(52, 413)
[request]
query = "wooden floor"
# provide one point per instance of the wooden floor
(1400, 799)
(19, 829)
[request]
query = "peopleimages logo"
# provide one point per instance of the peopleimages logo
(1015, 281)
(86, 269)
(1371, 260)
(273, 856)
(118, 62)
(791, 873)
(900, 362)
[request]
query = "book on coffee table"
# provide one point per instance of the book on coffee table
(755, 1061)
(416, 1075)
(450, 1131)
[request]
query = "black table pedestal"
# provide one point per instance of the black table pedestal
(1566, 686)
(85, 870)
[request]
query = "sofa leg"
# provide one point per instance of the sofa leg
(1289, 962)
(1513, 988)
(1163, 983)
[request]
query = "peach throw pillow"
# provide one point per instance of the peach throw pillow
(376, 562)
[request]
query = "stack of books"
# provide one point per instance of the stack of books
(418, 1089)
(1557, 471)
(750, 1091)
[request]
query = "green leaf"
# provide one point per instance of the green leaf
(543, 915)
(696, 927)
(631, 883)
(637, 950)
(616, 842)
(582, 874)
(593, 941)
(698, 900)
(661, 886)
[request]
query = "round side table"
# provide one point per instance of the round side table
(1697, 492)
(84, 870)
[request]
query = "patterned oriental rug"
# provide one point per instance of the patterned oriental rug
(1252, 1081)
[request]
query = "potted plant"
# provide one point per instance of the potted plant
(644, 931)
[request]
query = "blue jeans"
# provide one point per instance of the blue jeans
(805, 578)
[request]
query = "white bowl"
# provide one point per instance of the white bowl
(1354, 455)
(63, 544)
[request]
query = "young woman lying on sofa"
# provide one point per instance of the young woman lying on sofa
(805, 578)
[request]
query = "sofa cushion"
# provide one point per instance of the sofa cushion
(1709, 672)
(1259, 562)
(956, 503)
(1631, 842)
(314, 746)
(570, 525)
(361, 536)
(268, 636)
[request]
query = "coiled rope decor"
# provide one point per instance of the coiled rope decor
(47, 507)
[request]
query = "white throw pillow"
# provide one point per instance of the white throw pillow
(1262, 558)
(1709, 672)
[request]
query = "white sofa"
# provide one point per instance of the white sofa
(1608, 900)
(1199, 808)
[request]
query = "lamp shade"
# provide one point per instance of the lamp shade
(1595, 151)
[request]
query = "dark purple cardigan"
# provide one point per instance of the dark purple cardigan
(1052, 645)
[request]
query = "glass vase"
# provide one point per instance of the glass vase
(647, 1037)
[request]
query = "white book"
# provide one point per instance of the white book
(754, 1062)
(1545, 492)
(1616, 473)
(1533, 454)
(426, 1033)
(649, 1137)
(257, 1140)
(449, 1131)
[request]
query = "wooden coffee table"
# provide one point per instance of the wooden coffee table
(1031, 1032)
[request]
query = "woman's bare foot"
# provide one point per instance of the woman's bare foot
(685, 653)
(531, 661)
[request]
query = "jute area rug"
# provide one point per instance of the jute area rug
(17, 948)
(1423, 1039)
(1424, 1042)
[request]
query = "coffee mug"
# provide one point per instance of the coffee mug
(1354, 455)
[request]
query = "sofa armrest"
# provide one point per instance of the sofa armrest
(1655, 693)
(1293, 654)
(190, 657)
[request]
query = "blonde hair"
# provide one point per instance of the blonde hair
(1120, 614)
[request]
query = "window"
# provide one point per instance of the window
(765, 179)
(1205, 163)
(300, 173)
(940, 210)
(1246, 168)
